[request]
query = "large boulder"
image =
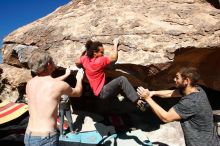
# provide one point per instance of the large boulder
(156, 38)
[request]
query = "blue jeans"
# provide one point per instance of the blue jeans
(116, 85)
(52, 139)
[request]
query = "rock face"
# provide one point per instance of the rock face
(12, 79)
(156, 39)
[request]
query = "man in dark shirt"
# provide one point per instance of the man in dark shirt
(193, 110)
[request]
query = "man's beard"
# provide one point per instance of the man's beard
(182, 88)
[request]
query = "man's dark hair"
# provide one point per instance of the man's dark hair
(191, 73)
(92, 47)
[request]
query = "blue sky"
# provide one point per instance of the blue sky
(17, 13)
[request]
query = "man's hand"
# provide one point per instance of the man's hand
(144, 93)
(80, 74)
(63, 77)
(116, 41)
(68, 72)
(114, 52)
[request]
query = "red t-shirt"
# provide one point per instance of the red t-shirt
(94, 69)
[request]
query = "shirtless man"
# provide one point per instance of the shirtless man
(44, 94)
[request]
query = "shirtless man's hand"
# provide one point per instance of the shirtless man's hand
(80, 74)
(68, 72)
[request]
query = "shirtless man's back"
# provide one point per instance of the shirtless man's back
(44, 94)
(43, 103)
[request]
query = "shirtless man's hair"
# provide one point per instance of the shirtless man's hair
(38, 62)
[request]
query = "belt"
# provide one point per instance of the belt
(35, 133)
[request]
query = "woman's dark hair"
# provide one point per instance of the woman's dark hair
(92, 47)
(191, 73)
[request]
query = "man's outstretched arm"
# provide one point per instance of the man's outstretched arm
(77, 59)
(166, 93)
(63, 77)
(161, 93)
(77, 91)
(165, 116)
(114, 52)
